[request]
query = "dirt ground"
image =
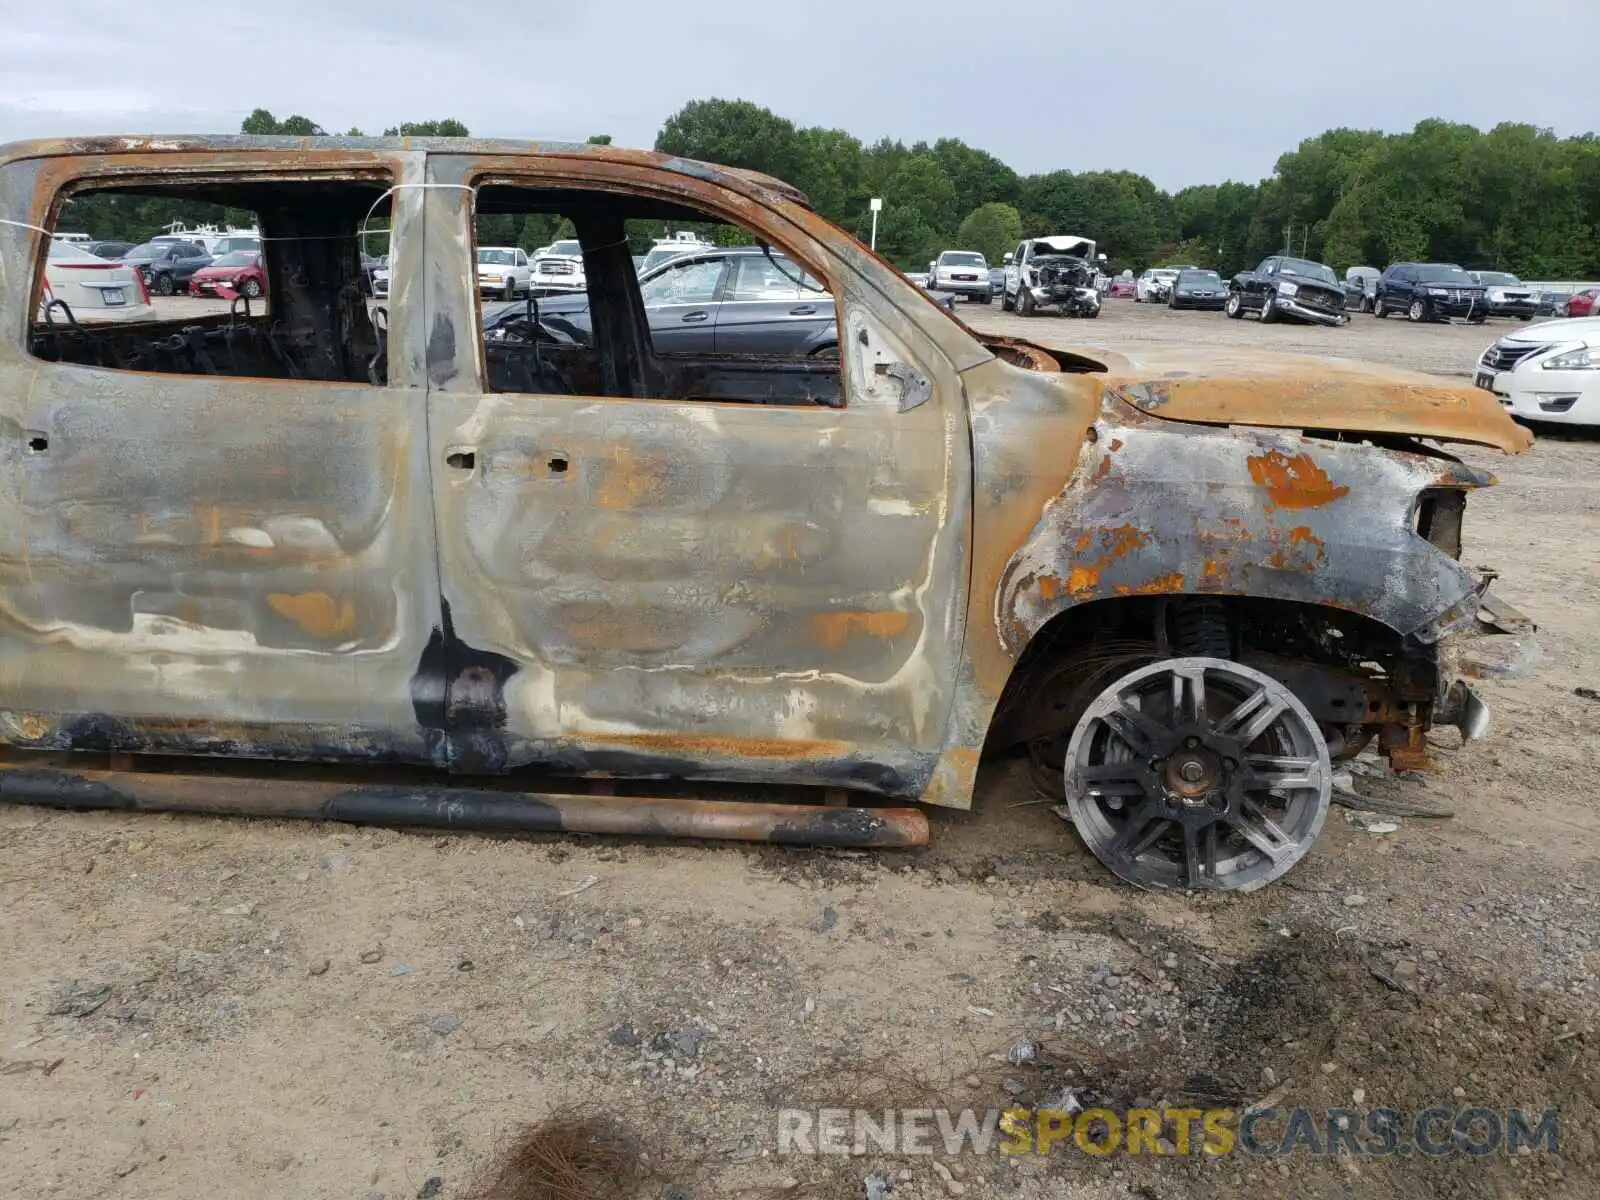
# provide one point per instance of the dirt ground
(192, 1007)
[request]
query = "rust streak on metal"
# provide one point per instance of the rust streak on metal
(315, 612)
(831, 630)
(705, 745)
(1158, 586)
(1294, 482)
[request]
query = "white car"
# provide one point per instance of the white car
(961, 273)
(504, 270)
(91, 288)
(1547, 372)
(559, 269)
(672, 246)
(1157, 280)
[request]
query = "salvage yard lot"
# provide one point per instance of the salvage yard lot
(1441, 349)
(328, 1011)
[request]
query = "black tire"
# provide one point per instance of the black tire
(1417, 312)
(509, 291)
(984, 300)
(1092, 313)
(1007, 304)
(1269, 310)
(1379, 308)
(1234, 308)
(829, 353)
(164, 284)
(1025, 304)
(252, 288)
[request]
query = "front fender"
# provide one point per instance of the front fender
(1175, 509)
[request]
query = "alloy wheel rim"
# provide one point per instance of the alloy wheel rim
(1198, 773)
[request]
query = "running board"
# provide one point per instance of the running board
(430, 806)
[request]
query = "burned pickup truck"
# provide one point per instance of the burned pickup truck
(311, 555)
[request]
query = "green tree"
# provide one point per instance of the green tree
(260, 121)
(735, 133)
(599, 139)
(991, 229)
(977, 176)
(449, 127)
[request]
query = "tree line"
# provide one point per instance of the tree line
(1514, 198)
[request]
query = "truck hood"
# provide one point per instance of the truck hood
(1068, 243)
(1230, 387)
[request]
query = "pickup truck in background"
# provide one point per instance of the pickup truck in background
(1284, 288)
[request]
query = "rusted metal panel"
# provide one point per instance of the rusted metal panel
(1161, 509)
(210, 563)
(1240, 387)
(426, 803)
(707, 589)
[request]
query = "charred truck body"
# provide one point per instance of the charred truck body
(359, 562)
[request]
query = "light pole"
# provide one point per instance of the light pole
(876, 204)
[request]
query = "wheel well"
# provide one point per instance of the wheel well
(1356, 675)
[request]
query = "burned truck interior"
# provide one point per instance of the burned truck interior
(313, 323)
(319, 321)
(544, 354)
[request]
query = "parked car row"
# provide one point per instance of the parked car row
(1284, 287)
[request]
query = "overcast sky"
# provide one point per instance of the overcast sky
(1185, 91)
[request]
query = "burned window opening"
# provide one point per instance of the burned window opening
(700, 325)
(300, 310)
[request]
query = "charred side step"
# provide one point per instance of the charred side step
(29, 781)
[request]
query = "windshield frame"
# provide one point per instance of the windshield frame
(963, 258)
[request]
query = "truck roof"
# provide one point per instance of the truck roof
(156, 144)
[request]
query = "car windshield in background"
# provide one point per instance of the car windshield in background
(962, 260)
(655, 258)
(1200, 279)
(1498, 279)
(569, 249)
(239, 258)
(148, 251)
(1440, 273)
(496, 258)
(1309, 270)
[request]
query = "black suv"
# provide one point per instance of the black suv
(1430, 292)
(167, 267)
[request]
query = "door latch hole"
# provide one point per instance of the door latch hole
(558, 465)
(38, 443)
(462, 460)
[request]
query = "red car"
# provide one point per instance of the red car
(1584, 303)
(238, 273)
(1124, 288)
